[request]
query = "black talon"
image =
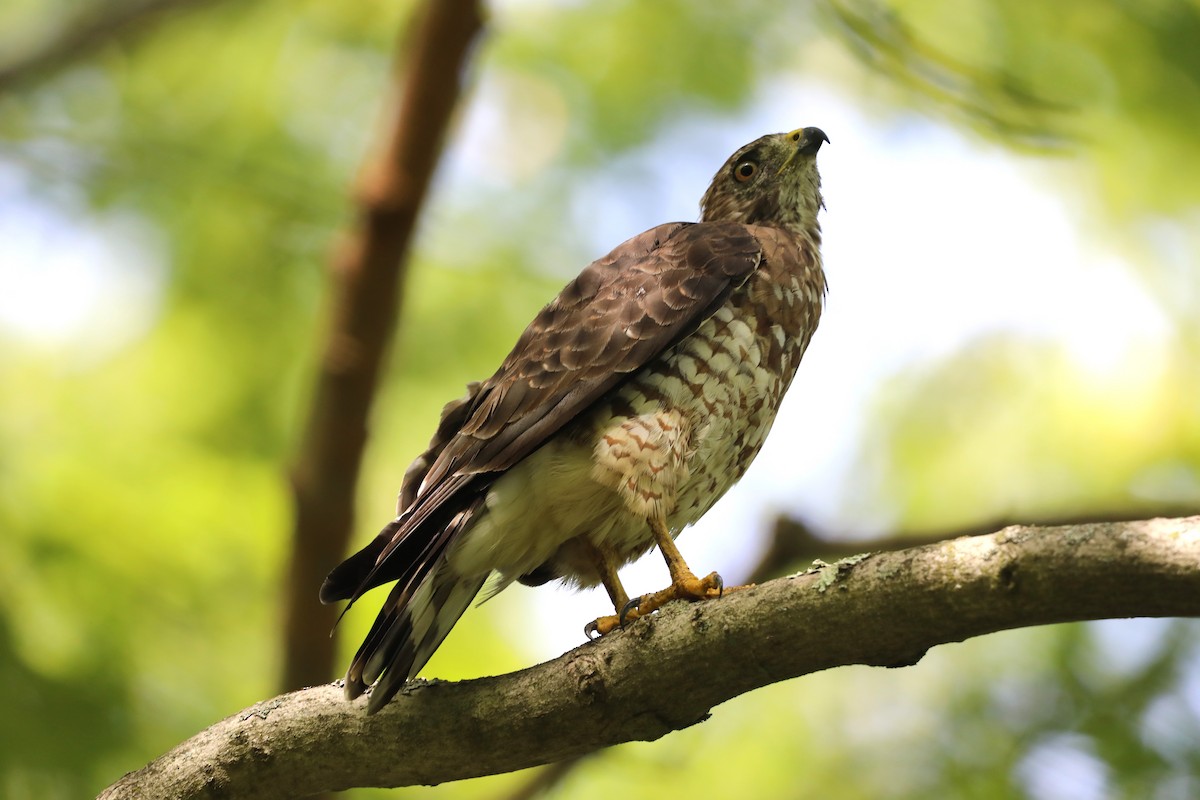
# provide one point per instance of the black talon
(630, 606)
(590, 629)
(720, 585)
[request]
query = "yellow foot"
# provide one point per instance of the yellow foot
(601, 626)
(686, 587)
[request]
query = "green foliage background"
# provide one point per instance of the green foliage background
(143, 508)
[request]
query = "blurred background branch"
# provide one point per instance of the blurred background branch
(794, 544)
(543, 780)
(995, 98)
(97, 25)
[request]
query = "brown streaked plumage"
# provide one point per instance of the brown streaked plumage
(629, 405)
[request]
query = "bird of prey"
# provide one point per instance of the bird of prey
(629, 406)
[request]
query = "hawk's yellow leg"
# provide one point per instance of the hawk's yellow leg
(605, 563)
(684, 585)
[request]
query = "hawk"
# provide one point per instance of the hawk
(629, 406)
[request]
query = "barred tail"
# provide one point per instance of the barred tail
(429, 597)
(406, 634)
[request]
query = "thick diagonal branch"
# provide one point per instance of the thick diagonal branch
(368, 278)
(668, 671)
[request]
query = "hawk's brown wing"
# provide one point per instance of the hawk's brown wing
(617, 315)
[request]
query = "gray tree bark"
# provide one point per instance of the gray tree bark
(668, 671)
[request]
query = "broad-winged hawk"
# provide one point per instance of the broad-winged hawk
(629, 405)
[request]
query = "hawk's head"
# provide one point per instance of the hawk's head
(771, 181)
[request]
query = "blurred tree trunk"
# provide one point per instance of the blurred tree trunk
(368, 281)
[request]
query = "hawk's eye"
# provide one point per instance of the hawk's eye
(745, 171)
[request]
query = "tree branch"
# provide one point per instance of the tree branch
(369, 274)
(667, 672)
(794, 541)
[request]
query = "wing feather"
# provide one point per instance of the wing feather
(621, 312)
(617, 315)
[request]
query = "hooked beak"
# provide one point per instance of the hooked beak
(808, 142)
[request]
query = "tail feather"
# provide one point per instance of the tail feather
(428, 598)
(347, 579)
(355, 685)
(408, 639)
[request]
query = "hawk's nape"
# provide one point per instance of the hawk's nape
(629, 405)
